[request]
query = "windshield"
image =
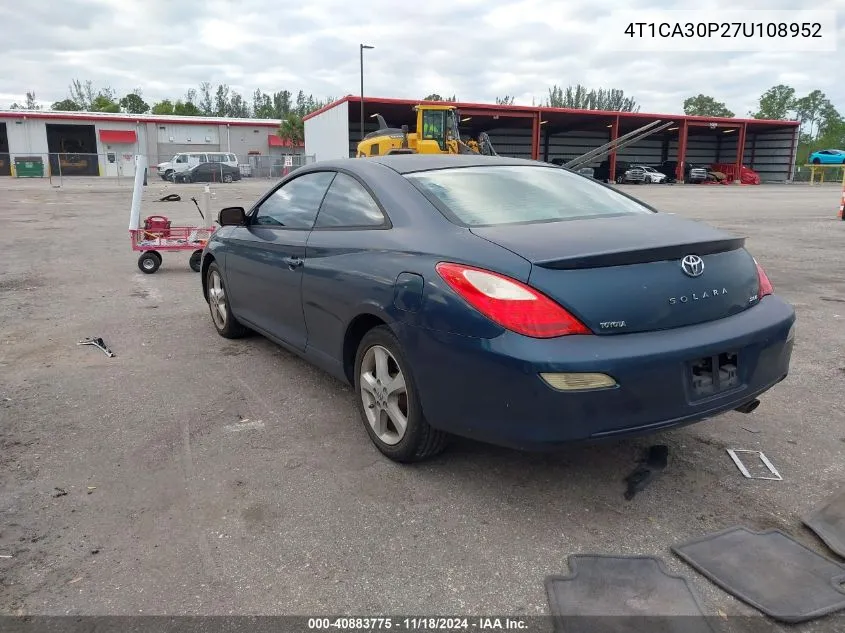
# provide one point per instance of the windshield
(505, 194)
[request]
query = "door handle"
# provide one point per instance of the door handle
(293, 262)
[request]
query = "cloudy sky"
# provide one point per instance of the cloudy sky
(475, 49)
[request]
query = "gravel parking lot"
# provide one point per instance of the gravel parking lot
(206, 476)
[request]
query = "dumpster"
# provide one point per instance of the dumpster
(29, 167)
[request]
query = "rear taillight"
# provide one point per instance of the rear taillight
(510, 303)
(765, 285)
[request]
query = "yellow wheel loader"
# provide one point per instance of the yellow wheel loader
(436, 133)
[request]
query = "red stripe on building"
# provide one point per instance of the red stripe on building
(118, 136)
(276, 141)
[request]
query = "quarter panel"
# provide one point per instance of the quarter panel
(350, 272)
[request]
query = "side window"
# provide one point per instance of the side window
(233, 158)
(348, 204)
(215, 158)
(295, 204)
(181, 158)
(202, 158)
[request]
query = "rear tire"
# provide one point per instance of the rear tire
(195, 262)
(224, 321)
(817, 161)
(387, 399)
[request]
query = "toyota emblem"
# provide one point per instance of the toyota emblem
(692, 265)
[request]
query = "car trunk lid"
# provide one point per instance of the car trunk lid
(624, 273)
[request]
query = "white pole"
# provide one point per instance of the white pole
(206, 206)
(135, 211)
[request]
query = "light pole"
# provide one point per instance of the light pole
(361, 51)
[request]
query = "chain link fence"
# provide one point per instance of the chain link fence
(119, 167)
(823, 174)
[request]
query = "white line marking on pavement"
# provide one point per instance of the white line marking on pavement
(244, 425)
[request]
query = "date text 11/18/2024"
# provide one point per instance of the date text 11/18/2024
(417, 624)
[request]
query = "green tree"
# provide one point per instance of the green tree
(776, 103)
(703, 105)
(82, 93)
(436, 97)
(504, 100)
(206, 105)
(185, 108)
(66, 105)
(29, 104)
(134, 103)
(104, 102)
(829, 120)
(580, 98)
(300, 104)
(833, 136)
(237, 108)
(292, 129)
(281, 104)
(221, 100)
(262, 105)
(812, 110)
(573, 97)
(163, 107)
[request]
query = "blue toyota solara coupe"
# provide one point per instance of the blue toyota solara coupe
(506, 300)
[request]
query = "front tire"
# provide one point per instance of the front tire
(388, 400)
(149, 262)
(224, 321)
(227, 178)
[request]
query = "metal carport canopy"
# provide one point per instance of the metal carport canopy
(400, 111)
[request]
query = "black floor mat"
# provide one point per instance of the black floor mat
(828, 521)
(622, 593)
(770, 571)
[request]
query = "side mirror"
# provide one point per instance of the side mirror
(232, 216)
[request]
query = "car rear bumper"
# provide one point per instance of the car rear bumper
(491, 390)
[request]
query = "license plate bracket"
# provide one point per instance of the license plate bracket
(714, 375)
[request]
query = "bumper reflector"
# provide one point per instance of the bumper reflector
(576, 382)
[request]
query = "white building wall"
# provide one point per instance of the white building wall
(327, 134)
(148, 142)
(243, 139)
(181, 134)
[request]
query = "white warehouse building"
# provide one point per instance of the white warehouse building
(106, 144)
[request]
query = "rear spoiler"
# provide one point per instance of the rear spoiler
(643, 256)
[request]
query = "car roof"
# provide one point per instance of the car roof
(409, 163)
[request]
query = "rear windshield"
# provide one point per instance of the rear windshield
(507, 194)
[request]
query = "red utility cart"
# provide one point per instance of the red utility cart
(158, 235)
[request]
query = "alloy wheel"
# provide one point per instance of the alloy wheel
(217, 300)
(384, 394)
